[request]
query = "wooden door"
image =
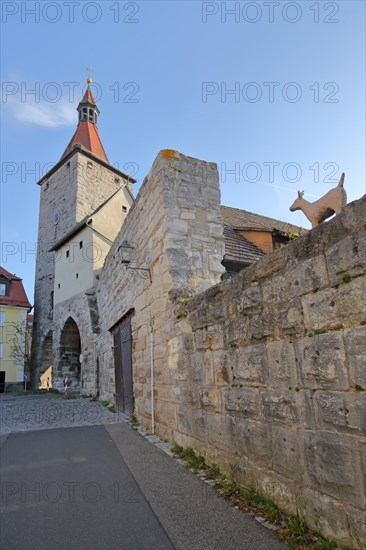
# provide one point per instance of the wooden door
(122, 344)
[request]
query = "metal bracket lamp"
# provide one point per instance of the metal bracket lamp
(125, 251)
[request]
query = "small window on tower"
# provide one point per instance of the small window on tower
(77, 275)
(58, 286)
(81, 244)
(84, 114)
(67, 253)
(91, 115)
(124, 208)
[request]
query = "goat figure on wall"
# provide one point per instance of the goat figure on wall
(331, 203)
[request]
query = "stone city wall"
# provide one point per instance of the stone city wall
(270, 377)
(265, 373)
(176, 228)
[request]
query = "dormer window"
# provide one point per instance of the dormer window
(3, 289)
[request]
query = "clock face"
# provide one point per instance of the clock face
(57, 217)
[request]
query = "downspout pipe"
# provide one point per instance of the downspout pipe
(152, 375)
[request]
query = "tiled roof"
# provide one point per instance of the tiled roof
(242, 219)
(87, 136)
(17, 296)
(239, 249)
(88, 97)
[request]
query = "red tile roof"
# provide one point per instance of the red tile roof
(239, 249)
(87, 136)
(88, 97)
(242, 219)
(16, 294)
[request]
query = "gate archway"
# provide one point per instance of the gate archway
(70, 350)
(46, 366)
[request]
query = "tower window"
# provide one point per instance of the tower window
(91, 115)
(58, 286)
(81, 244)
(124, 208)
(67, 253)
(77, 275)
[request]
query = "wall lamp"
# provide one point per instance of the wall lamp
(125, 251)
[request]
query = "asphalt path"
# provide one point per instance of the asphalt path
(106, 487)
(69, 488)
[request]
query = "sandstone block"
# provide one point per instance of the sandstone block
(357, 527)
(308, 275)
(240, 403)
(281, 364)
(286, 453)
(355, 345)
(347, 256)
(333, 466)
(291, 318)
(321, 362)
(252, 439)
(324, 514)
(341, 410)
(287, 407)
(250, 365)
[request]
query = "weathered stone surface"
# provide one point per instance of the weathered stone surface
(337, 410)
(321, 362)
(281, 364)
(252, 439)
(355, 346)
(357, 526)
(323, 514)
(240, 403)
(287, 407)
(347, 258)
(308, 276)
(287, 455)
(333, 466)
(250, 365)
(278, 489)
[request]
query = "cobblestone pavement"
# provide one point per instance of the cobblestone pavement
(38, 412)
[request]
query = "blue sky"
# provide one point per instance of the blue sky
(163, 72)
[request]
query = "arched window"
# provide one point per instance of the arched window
(91, 115)
(84, 114)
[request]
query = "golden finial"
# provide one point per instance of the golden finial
(88, 80)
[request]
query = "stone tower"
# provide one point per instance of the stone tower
(80, 183)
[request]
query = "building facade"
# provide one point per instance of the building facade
(14, 335)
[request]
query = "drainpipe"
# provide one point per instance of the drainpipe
(95, 368)
(152, 375)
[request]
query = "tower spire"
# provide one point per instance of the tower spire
(87, 135)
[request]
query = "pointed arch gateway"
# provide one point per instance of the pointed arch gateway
(46, 366)
(70, 350)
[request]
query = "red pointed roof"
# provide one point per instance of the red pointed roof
(15, 295)
(87, 134)
(88, 97)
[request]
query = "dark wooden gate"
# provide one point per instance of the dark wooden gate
(122, 345)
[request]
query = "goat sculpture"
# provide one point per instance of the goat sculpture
(331, 203)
